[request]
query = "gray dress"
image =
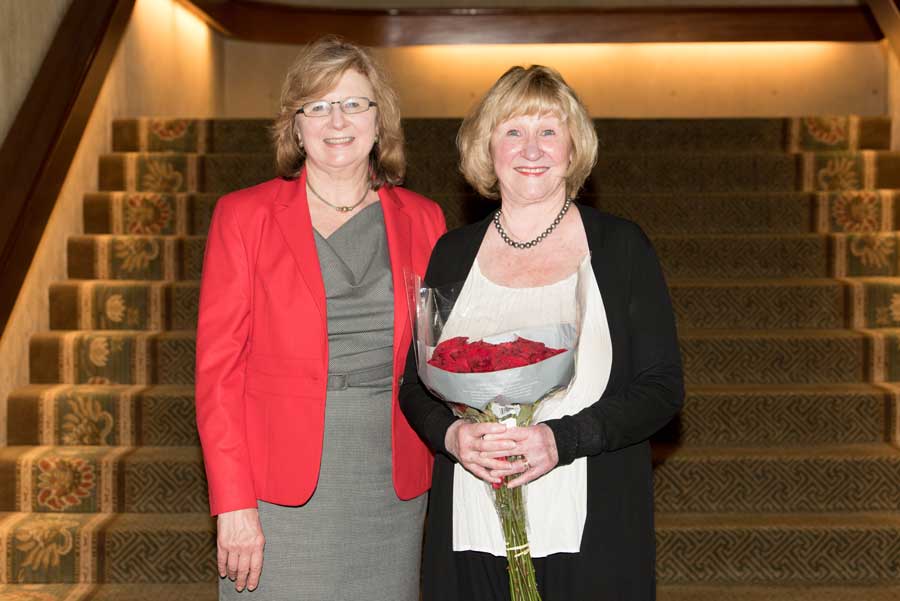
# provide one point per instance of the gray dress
(354, 539)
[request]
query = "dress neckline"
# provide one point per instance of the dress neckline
(346, 223)
(566, 280)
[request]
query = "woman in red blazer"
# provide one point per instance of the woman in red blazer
(303, 301)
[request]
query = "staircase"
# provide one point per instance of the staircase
(779, 481)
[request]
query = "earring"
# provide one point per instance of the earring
(300, 142)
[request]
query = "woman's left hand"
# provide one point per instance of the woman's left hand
(536, 446)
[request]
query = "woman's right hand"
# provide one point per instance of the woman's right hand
(477, 448)
(240, 544)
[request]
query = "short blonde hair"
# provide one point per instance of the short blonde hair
(536, 90)
(316, 69)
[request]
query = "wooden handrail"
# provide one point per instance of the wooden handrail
(278, 23)
(42, 140)
(887, 15)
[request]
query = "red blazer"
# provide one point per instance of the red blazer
(262, 344)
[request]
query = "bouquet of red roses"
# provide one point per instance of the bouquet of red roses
(498, 378)
(461, 356)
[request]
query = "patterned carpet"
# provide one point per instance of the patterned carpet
(779, 481)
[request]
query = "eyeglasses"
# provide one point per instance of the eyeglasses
(349, 106)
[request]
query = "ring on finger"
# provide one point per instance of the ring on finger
(527, 465)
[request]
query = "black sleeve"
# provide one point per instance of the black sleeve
(429, 416)
(656, 390)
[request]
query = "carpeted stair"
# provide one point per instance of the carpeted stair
(779, 481)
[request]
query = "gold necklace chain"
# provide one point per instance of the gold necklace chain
(339, 208)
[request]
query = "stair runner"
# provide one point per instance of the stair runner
(780, 480)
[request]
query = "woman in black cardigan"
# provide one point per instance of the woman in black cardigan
(531, 143)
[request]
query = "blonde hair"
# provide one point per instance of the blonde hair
(316, 69)
(536, 90)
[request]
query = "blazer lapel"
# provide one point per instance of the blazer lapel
(292, 216)
(398, 231)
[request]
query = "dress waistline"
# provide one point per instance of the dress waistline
(360, 377)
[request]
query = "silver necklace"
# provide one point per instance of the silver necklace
(541, 236)
(339, 208)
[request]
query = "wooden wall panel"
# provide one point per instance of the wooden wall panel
(277, 23)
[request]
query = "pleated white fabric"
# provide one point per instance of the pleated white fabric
(556, 503)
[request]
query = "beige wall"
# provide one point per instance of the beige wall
(168, 64)
(614, 80)
(26, 30)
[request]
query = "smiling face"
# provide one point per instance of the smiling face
(339, 142)
(531, 155)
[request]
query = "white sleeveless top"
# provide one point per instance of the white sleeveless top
(556, 503)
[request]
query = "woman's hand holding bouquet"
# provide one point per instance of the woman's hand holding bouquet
(536, 446)
(481, 448)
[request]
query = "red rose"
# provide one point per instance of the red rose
(458, 355)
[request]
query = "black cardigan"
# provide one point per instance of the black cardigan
(645, 388)
(617, 557)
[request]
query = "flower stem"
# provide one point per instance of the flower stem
(510, 506)
(511, 510)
